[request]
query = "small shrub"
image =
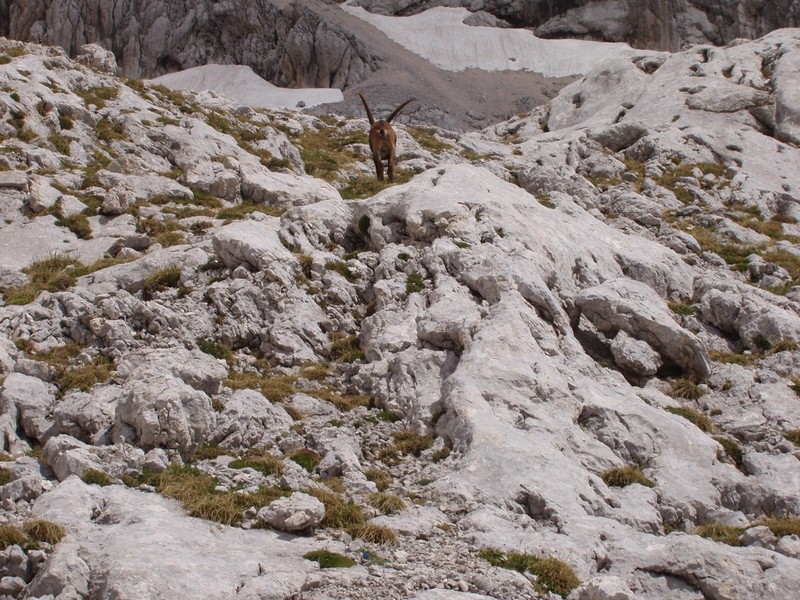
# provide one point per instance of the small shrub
(5, 475)
(683, 309)
(329, 560)
(685, 388)
(440, 455)
(372, 534)
(762, 344)
(725, 534)
(363, 224)
(625, 476)
(216, 350)
(386, 503)
(65, 122)
(414, 283)
(44, 531)
(388, 417)
(95, 477)
(699, 419)
(553, 575)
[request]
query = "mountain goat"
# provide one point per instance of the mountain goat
(382, 139)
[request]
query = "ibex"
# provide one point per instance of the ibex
(382, 139)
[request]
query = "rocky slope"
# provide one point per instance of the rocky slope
(558, 358)
(655, 24)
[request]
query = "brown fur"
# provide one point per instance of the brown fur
(382, 139)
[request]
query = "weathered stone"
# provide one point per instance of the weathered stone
(627, 305)
(297, 513)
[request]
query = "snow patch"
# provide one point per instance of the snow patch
(440, 36)
(243, 85)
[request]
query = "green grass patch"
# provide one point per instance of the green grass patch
(217, 350)
(700, 420)
(414, 283)
(10, 536)
(98, 95)
(732, 450)
(161, 280)
(306, 458)
(244, 208)
(54, 274)
(781, 526)
(109, 131)
(683, 309)
(95, 477)
(328, 150)
(552, 575)
(198, 495)
(329, 560)
(365, 186)
(41, 530)
(427, 138)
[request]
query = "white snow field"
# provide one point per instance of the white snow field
(242, 84)
(440, 36)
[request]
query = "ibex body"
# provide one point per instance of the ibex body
(382, 139)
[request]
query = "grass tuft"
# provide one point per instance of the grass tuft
(329, 560)
(625, 476)
(386, 503)
(725, 534)
(372, 534)
(685, 388)
(553, 575)
(700, 420)
(95, 477)
(41, 530)
(161, 280)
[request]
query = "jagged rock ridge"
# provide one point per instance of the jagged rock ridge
(608, 282)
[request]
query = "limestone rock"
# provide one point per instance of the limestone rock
(161, 411)
(627, 305)
(296, 513)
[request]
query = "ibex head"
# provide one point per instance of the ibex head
(382, 139)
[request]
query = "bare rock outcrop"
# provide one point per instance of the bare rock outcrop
(152, 38)
(656, 24)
